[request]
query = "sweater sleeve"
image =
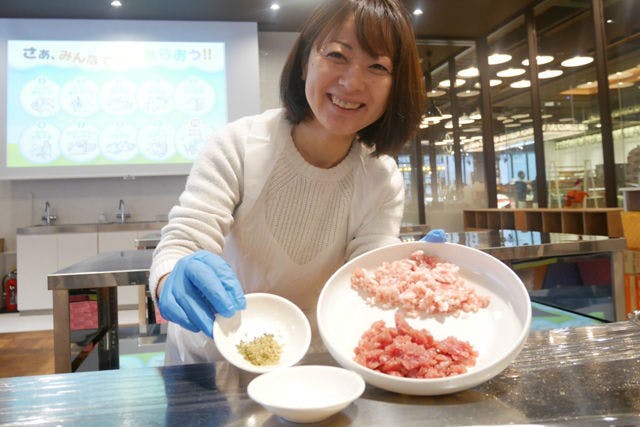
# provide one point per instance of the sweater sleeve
(382, 202)
(204, 214)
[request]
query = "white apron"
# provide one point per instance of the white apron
(301, 284)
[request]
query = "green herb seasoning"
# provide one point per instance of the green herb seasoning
(261, 351)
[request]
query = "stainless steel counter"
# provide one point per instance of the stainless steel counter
(565, 377)
(91, 227)
(105, 272)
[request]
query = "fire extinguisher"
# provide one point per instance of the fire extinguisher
(10, 290)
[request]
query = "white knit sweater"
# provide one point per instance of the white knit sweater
(284, 225)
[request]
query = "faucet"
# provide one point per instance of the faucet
(121, 215)
(48, 218)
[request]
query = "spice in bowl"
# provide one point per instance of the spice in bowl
(261, 351)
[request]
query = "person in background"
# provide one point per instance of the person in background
(575, 197)
(279, 201)
(520, 187)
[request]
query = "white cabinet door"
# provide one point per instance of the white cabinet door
(37, 256)
(41, 254)
(75, 247)
(120, 241)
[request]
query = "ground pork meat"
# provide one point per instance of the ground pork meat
(420, 285)
(407, 352)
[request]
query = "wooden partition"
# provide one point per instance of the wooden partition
(592, 221)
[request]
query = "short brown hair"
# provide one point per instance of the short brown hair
(383, 27)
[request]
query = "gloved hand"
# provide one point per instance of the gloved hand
(436, 235)
(201, 285)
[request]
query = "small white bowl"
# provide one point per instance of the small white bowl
(265, 314)
(308, 393)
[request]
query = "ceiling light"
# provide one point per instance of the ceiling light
(447, 83)
(469, 72)
(467, 93)
(540, 60)
(577, 61)
(417, 12)
(620, 85)
(434, 93)
(588, 85)
(512, 125)
(498, 58)
(520, 84)
(547, 116)
(526, 121)
(549, 74)
(465, 120)
(492, 83)
(511, 72)
(618, 75)
(433, 115)
(116, 3)
(520, 116)
(275, 6)
(476, 115)
(446, 116)
(609, 21)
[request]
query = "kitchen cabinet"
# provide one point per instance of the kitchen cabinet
(41, 254)
(45, 250)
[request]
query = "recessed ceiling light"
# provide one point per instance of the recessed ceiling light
(512, 125)
(620, 85)
(577, 61)
(549, 74)
(418, 12)
(274, 6)
(492, 83)
(540, 60)
(469, 72)
(511, 72)
(526, 121)
(116, 3)
(520, 116)
(618, 75)
(588, 85)
(467, 93)
(609, 21)
(498, 58)
(434, 93)
(520, 84)
(447, 83)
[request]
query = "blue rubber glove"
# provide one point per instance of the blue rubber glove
(436, 235)
(201, 285)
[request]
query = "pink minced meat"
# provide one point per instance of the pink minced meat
(420, 284)
(411, 353)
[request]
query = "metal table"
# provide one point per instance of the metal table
(563, 377)
(104, 272)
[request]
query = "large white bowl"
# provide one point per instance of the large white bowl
(306, 394)
(265, 314)
(497, 332)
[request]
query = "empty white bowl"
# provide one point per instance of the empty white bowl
(265, 314)
(306, 394)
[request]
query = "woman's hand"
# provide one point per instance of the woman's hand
(201, 285)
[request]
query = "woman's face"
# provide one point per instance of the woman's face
(346, 88)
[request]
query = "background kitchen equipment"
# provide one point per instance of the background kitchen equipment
(10, 292)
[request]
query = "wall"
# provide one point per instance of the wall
(146, 198)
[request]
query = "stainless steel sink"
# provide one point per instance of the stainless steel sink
(90, 227)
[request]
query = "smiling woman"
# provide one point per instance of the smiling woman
(296, 191)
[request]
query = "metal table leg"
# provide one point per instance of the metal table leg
(61, 331)
(108, 351)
